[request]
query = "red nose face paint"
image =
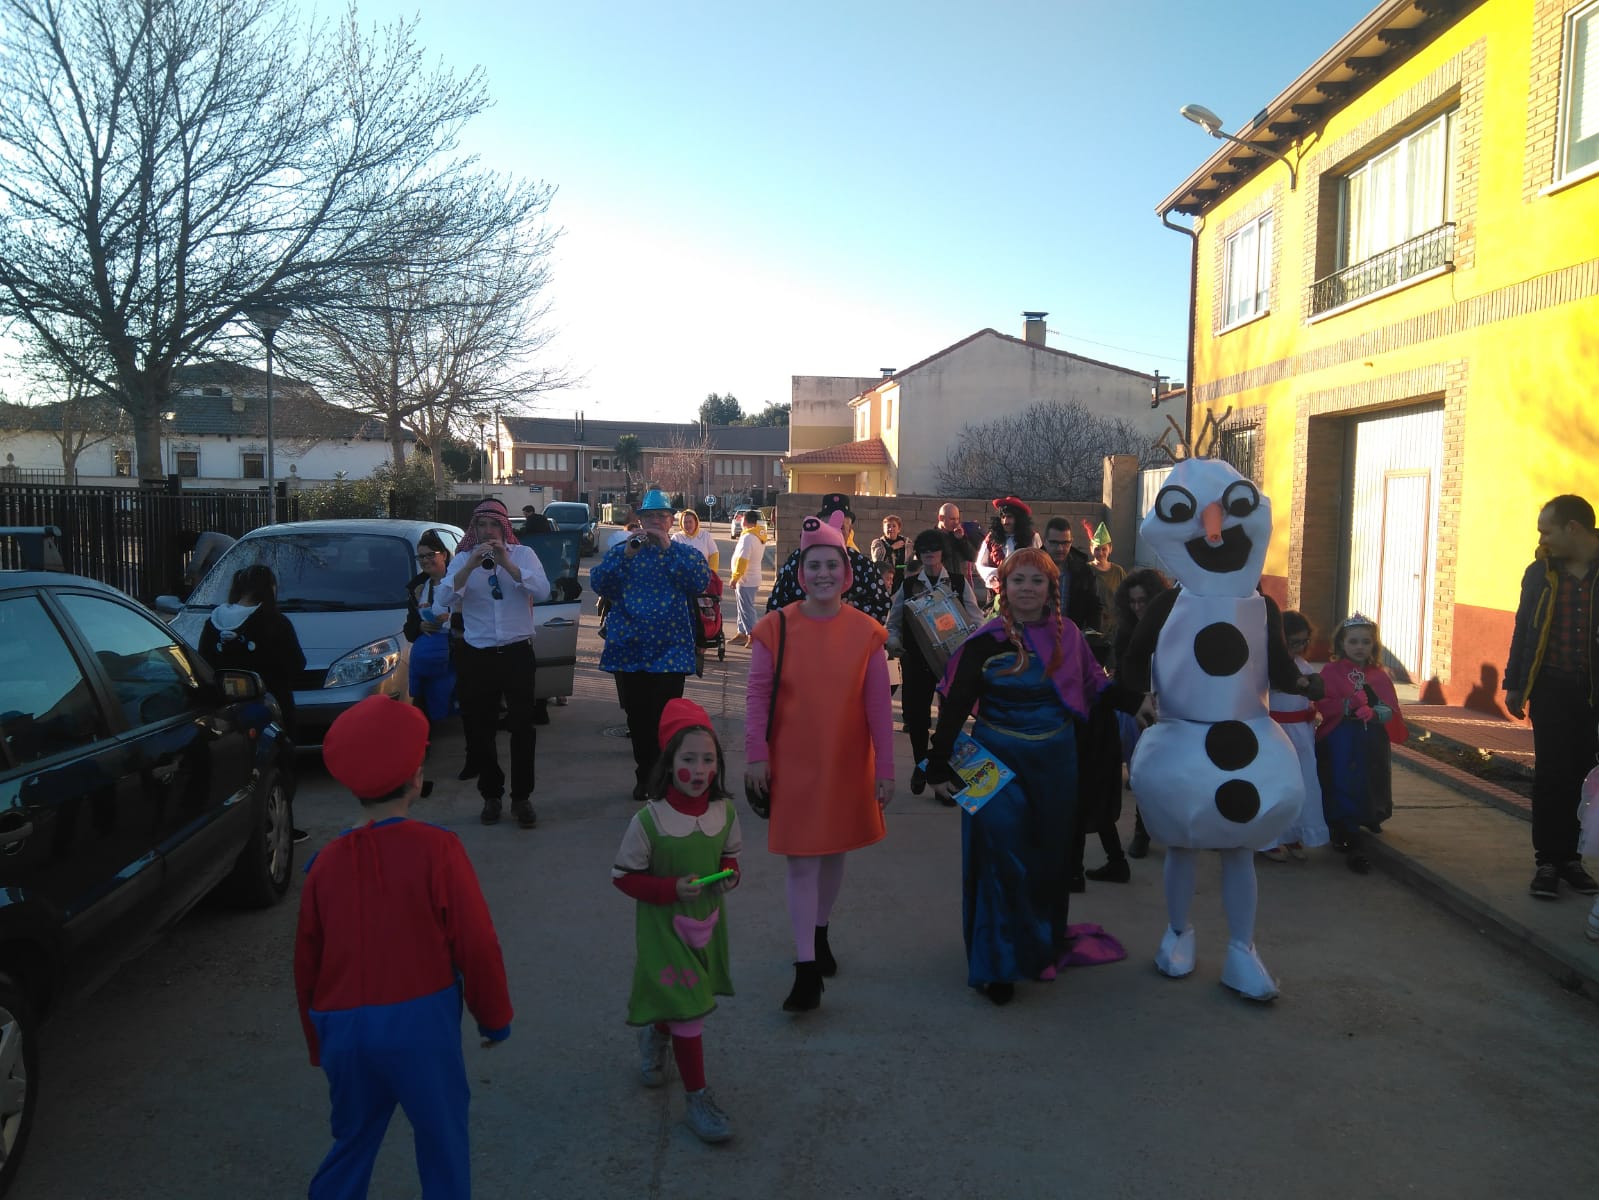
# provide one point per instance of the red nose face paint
(684, 775)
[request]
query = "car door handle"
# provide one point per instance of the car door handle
(21, 833)
(559, 623)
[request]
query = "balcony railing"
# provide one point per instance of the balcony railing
(1425, 252)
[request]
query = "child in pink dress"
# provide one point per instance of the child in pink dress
(1360, 721)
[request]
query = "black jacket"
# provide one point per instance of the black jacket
(265, 644)
(1530, 640)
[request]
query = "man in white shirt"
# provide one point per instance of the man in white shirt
(748, 558)
(496, 581)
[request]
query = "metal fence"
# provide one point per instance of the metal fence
(1428, 252)
(129, 537)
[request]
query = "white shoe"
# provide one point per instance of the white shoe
(1246, 974)
(1175, 958)
(652, 1050)
(709, 1123)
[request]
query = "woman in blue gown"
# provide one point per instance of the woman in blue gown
(1031, 678)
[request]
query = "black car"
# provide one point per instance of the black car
(133, 781)
(570, 515)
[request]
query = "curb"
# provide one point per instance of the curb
(1505, 800)
(1576, 974)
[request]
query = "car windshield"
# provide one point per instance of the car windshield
(325, 571)
(573, 514)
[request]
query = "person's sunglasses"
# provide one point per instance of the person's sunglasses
(494, 586)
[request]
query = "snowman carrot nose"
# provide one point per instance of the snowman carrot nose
(1212, 517)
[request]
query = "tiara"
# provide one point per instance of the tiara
(1357, 619)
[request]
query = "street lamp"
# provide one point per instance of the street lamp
(1211, 124)
(267, 318)
(482, 462)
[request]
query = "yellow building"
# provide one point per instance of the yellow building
(1402, 318)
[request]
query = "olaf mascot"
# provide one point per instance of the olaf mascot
(1214, 772)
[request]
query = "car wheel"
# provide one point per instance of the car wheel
(261, 876)
(19, 1077)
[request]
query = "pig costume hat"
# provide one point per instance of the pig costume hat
(816, 532)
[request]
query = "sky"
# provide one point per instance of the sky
(752, 191)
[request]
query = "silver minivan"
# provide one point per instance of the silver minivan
(341, 583)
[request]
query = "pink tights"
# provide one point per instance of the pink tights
(813, 887)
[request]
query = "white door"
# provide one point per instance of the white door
(1397, 461)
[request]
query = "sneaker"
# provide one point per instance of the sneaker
(653, 1055)
(522, 810)
(1545, 881)
(491, 811)
(709, 1123)
(1579, 880)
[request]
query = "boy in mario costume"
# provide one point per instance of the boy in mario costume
(393, 928)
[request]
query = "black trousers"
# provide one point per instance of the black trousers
(644, 695)
(483, 678)
(916, 703)
(1565, 746)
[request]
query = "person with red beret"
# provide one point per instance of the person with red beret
(1010, 530)
(686, 830)
(393, 932)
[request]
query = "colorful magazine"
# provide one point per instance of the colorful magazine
(984, 774)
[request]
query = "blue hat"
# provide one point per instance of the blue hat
(655, 500)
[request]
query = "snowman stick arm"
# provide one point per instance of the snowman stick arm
(1134, 670)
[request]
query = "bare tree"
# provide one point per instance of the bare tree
(1051, 451)
(172, 164)
(682, 468)
(433, 349)
(79, 418)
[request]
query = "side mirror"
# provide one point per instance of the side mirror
(240, 685)
(168, 606)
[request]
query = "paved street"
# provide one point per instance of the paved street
(1407, 1056)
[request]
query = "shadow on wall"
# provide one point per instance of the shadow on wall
(1484, 696)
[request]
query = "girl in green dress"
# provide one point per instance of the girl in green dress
(685, 831)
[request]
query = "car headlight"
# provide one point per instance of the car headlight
(369, 662)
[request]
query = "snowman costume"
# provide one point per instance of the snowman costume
(1215, 772)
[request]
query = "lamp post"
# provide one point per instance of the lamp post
(268, 318)
(1211, 124)
(482, 462)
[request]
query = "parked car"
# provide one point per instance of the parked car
(342, 586)
(567, 515)
(134, 780)
(735, 528)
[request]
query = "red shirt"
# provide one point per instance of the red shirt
(1568, 623)
(392, 912)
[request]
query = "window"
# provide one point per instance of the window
(1238, 449)
(253, 465)
(186, 463)
(888, 412)
(542, 461)
(1247, 271)
(150, 673)
(1398, 195)
(211, 391)
(777, 467)
(600, 464)
(46, 706)
(122, 463)
(1579, 92)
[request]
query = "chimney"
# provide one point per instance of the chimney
(1033, 328)
(888, 372)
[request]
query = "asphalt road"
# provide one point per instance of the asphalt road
(1406, 1057)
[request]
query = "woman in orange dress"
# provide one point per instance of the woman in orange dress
(822, 754)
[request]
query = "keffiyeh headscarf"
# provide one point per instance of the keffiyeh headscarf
(488, 508)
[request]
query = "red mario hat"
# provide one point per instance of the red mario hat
(678, 715)
(376, 746)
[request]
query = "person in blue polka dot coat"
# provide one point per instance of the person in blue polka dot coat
(650, 582)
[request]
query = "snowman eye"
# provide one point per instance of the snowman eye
(1240, 499)
(1174, 505)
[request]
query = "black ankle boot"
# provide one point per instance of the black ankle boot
(807, 990)
(825, 961)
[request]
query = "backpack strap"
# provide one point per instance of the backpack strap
(777, 673)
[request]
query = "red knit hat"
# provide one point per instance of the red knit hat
(678, 715)
(376, 746)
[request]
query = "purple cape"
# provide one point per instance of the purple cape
(1078, 680)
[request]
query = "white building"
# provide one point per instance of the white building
(905, 423)
(214, 434)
